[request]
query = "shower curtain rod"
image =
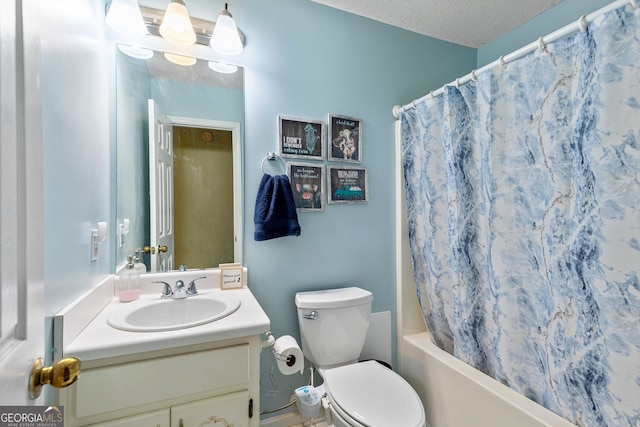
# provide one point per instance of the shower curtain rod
(580, 24)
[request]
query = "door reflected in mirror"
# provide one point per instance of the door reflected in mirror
(179, 163)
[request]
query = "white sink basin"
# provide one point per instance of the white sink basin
(155, 314)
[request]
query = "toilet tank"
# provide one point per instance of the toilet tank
(333, 324)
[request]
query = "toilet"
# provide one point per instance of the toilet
(333, 327)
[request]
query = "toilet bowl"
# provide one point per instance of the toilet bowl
(333, 326)
(369, 394)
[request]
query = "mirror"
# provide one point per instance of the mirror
(190, 213)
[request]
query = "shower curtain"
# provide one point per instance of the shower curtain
(523, 202)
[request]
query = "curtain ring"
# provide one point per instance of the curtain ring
(541, 44)
(502, 62)
(474, 77)
(458, 82)
(431, 95)
(415, 103)
(582, 23)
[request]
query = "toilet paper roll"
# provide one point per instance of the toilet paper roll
(288, 355)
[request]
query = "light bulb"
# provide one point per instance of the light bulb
(176, 24)
(125, 16)
(180, 59)
(225, 38)
(222, 67)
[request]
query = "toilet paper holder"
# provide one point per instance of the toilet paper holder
(290, 360)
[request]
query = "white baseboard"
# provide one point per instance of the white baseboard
(291, 419)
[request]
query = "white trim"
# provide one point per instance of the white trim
(238, 186)
(292, 419)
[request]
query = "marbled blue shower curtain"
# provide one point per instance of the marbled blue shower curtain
(523, 201)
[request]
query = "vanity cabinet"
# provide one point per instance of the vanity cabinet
(215, 384)
(160, 418)
(223, 411)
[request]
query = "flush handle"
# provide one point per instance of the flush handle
(311, 316)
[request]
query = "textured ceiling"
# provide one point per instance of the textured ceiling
(467, 22)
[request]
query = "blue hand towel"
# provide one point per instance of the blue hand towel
(275, 214)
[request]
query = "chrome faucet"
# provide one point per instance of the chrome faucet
(191, 289)
(167, 292)
(178, 291)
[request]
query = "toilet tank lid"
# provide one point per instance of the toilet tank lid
(333, 298)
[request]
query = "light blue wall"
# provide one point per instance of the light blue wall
(307, 60)
(78, 160)
(133, 88)
(301, 59)
(553, 19)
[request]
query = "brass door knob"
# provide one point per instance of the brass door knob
(62, 374)
(152, 249)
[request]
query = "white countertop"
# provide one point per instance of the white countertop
(98, 340)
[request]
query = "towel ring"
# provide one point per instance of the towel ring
(271, 156)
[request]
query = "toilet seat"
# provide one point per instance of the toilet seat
(373, 396)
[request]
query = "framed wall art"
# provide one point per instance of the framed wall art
(345, 139)
(307, 183)
(301, 138)
(347, 184)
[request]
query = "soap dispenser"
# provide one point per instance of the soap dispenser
(129, 282)
(140, 266)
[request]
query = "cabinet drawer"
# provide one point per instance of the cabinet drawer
(152, 419)
(226, 410)
(132, 384)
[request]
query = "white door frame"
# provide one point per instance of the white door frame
(21, 202)
(238, 185)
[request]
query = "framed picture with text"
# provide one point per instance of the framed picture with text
(307, 183)
(301, 138)
(345, 139)
(347, 184)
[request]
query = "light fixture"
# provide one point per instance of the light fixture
(135, 51)
(176, 24)
(180, 59)
(222, 67)
(125, 16)
(225, 38)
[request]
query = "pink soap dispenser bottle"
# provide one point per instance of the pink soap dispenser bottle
(129, 282)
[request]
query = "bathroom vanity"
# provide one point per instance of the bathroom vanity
(192, 376)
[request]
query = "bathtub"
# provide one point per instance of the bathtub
(456, 395)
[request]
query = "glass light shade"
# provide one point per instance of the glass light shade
(225, 38)
(180, 59)
(176, 24)
(222, 68)
(125, 16)
(135, 51)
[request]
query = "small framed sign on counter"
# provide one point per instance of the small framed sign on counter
(232, 276)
